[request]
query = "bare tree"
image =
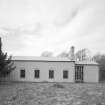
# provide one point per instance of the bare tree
(83, 54)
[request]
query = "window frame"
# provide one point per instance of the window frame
(36, 73)
(22, 73)
(65, 74)
(79, 73)
(51, 74)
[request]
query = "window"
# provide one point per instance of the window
(37, 73)
(79, 73)
(22, 73)
(51, 74)
(65, 74)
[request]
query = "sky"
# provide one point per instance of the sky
(30, 27)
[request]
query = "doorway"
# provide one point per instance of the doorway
(79, 74)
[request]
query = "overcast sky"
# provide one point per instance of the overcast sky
(29, 27)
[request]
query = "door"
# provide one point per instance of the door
(79, 74)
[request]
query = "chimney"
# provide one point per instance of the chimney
(71, 53)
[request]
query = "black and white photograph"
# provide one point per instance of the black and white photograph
(52, 52)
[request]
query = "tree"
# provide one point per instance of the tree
(6, 64)
(83, 54)
(47, 54)
(63, 54)
(100, 59)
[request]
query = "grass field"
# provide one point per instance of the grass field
(51, 94)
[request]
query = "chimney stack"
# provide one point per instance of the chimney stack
(71, 53)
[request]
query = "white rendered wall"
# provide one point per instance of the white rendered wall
(44, 68)
(91, 73)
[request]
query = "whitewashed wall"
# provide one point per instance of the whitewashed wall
(44, 68)
(91, 73)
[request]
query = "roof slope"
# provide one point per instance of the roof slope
(60, 59)
(33, 58)
(86, 62)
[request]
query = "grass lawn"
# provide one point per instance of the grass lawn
(52, 94)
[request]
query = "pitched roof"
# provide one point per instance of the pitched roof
(33, 58)
(60, 59)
